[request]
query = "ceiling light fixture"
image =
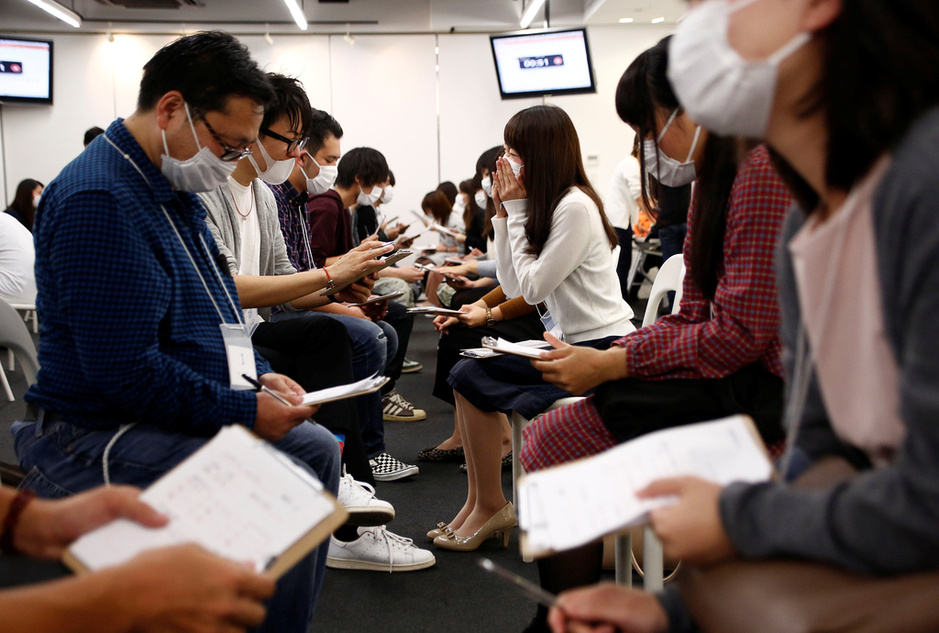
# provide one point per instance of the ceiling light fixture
(350, 40)
(296, 13)
(625, 20)
(530, 13)
(57, 10)
(267, 34)
(657, 20)
(109, 34)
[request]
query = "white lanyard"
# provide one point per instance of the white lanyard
(306, 236)
(186, 248)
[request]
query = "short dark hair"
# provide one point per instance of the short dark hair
(92, 133)
(322, 126)
(448, 189)
(207, 68)
(391, 178)
(289, 100)
(366, 163)
(436, 202)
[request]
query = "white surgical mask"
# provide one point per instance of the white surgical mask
(719, 89)
(486, 184)
(388, 194)
(203, 172)
(323, 180)
(36, 200)
(516, 167)
(277, 171)
(481, 199)
(368, 199)
(666, 169)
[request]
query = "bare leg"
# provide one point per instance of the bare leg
(470, 503)
(506, 435)
(433, 280)
(482, 441)
(456, 440)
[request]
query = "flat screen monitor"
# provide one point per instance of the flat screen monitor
(543, 62)
(25, 70)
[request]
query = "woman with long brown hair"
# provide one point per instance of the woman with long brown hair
(554, 246)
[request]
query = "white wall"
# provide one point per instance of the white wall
(383, 90)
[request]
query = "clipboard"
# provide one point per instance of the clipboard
(341, 392)
(299, 533)
(435, 311)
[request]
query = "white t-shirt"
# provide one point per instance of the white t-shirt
(249, 235)
(625, 188)
(17, 258)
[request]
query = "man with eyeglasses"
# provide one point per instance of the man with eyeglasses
(139, 312)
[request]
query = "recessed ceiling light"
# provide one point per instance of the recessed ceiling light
(55, 9)
(657, 20)
(625, 20)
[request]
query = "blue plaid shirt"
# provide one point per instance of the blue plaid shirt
(128, 332)
(291, 210)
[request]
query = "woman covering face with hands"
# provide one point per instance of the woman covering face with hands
(553, 245)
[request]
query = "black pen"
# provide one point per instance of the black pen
(528, 588)
(257, 385)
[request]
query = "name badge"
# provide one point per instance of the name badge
(240, 354)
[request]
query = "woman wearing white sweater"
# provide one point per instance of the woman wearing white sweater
(554, 247)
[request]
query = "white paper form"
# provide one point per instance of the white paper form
(570, 505)
(237, 497)
(528, 349)
(339, 392)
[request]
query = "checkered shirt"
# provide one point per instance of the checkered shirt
(128, 331)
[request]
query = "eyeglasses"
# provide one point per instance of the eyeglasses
(229, 153)
(293, 144)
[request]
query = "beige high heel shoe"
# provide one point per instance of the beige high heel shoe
(441, 529)
(500, 524)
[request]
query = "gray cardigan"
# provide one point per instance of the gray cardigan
(884, 521)
(221, 220)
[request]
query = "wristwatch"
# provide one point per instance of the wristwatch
(490, 320)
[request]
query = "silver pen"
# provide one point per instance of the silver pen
(527, 587)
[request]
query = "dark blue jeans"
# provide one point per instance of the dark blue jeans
(63, 459)
(673, 238)
(373, 345)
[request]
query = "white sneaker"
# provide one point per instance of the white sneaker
(377, 549)
(360, 502)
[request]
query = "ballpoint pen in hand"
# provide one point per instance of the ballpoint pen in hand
(257, 385)
(530, 589)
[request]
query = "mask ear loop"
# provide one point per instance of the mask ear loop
(667, 125)
(166, 148)
(694, 144)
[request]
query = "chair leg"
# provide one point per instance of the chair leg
(623, 559)
(517, 422)
(6, 385)
(639, 256)
(12, 359)
(652, 561)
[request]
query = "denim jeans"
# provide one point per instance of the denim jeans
(64, 459)
(673, 239)
(373, 344)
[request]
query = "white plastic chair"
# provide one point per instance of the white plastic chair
(668, 279)
(15, 336)
(641, 250)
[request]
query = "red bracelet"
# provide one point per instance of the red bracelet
(329, 278)
(19, 503)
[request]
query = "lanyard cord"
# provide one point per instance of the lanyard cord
(805, 358)
(306, 236)
(185, 247)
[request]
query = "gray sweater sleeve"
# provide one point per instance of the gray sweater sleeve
(486, 268)
(887, 520)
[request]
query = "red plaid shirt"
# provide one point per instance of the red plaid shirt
(713, 339)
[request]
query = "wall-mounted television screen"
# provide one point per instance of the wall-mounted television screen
(543, 62)
(25, 70)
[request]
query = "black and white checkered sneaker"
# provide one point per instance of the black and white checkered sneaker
(387, 468)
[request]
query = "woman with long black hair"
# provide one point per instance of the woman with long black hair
(720, 354)
(847, 96)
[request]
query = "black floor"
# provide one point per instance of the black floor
(452, 597)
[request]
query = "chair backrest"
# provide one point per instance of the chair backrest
(15, 336)
(668, 279)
